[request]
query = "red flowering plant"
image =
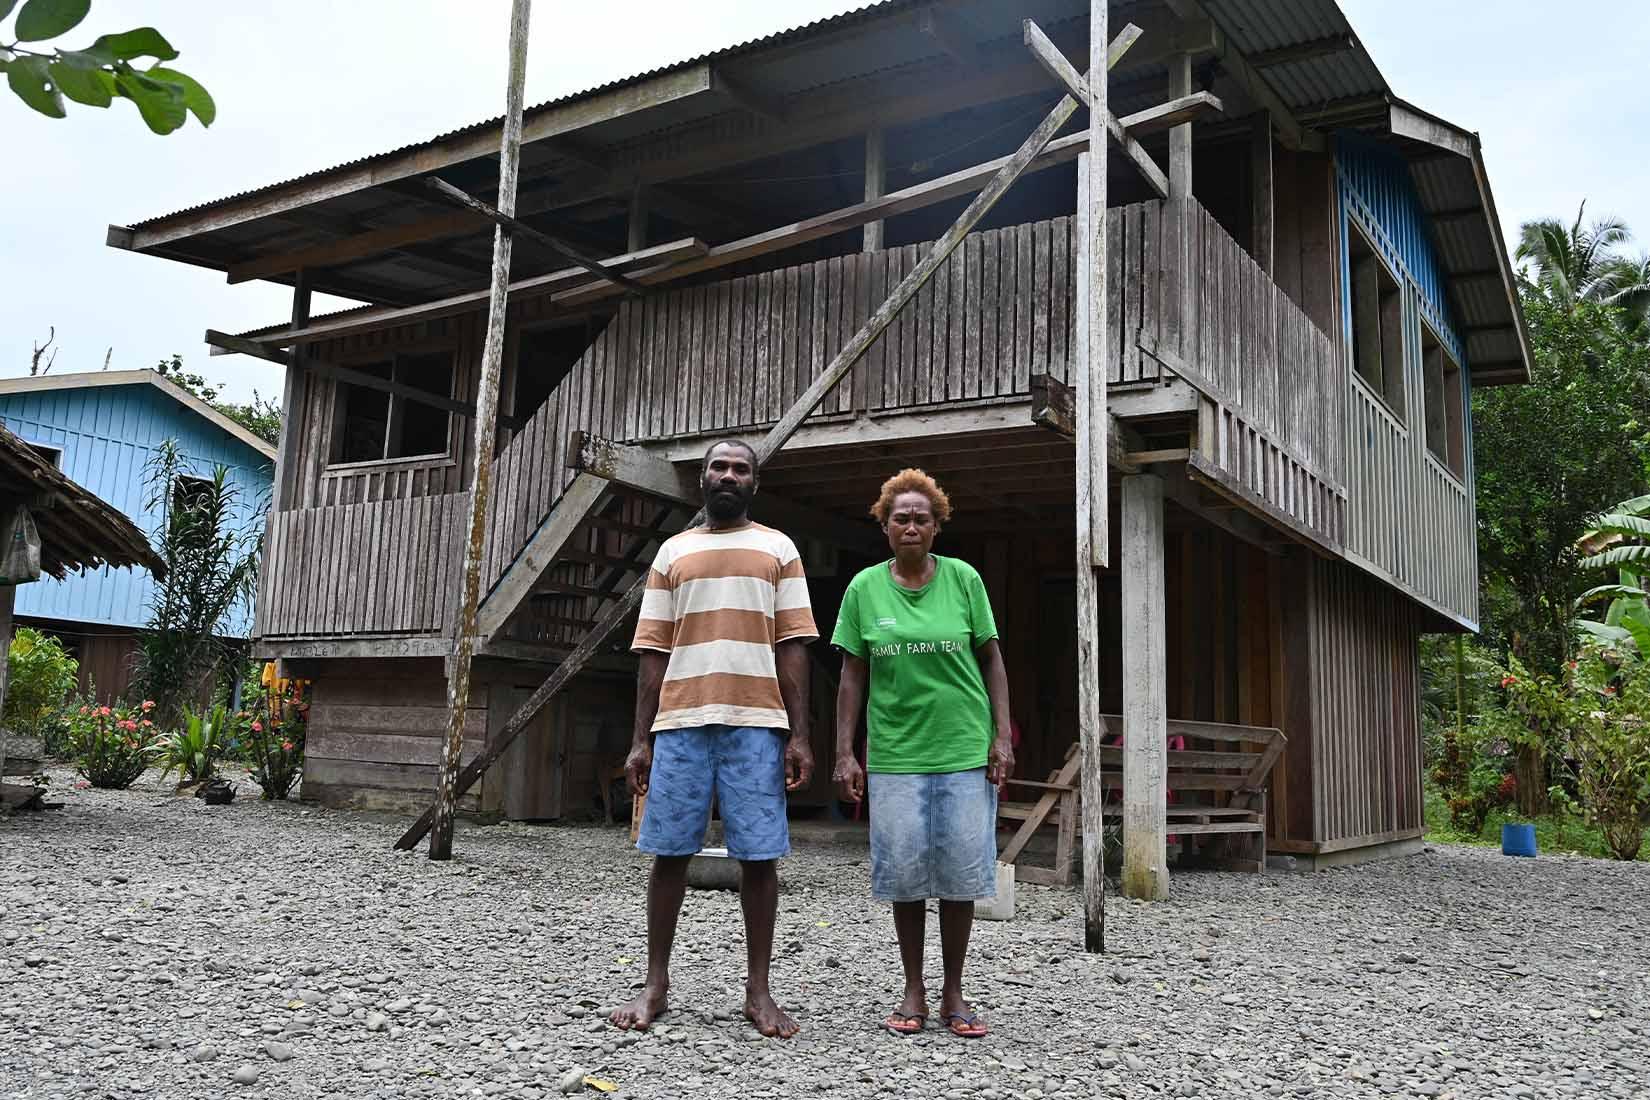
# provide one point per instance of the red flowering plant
(275, 722)
(111, 745)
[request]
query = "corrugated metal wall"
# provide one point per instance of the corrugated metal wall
(1411, 520)
(108, 434)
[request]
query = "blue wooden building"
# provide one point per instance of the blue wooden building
(102, 429)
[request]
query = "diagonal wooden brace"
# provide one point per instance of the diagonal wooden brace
(776, 438)
(1055, 64)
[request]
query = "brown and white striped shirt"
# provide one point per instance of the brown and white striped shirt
(718, 602)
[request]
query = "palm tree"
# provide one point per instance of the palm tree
(1581, 262)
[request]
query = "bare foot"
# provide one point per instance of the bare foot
(768, 1017)
(640, 1013)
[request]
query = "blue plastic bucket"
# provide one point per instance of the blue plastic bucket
(1518, 840)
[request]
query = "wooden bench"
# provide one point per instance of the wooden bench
(1237, 773)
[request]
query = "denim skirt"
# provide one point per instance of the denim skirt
(933, 836)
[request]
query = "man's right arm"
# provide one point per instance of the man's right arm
(650, 678)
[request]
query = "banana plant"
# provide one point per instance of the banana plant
(1619, 539)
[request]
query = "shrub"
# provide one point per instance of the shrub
(41, 679)
(111, 746)
(1610, 745)
(194, 750)
(275, 737)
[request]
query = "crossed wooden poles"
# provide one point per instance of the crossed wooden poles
(1088, 367)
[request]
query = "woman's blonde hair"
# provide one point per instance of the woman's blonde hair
(911, 481)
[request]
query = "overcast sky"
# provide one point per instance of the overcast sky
(306, 85)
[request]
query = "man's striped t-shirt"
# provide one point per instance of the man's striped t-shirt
(718, 602)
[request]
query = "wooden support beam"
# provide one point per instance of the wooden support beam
(481, 448)
(242, 346)
(636, 218)
(1182, 109)
(371, 320)
(1261, 191)
(1302, 51)
(1054, 406)
(1092, 490)
(876, 185)
(1180, 137)
(1062, 70)
(1290, 131)
(1145, 686)
(292, 400)
(953, 38)
(620, 610)
(518, 228)
(742, 95)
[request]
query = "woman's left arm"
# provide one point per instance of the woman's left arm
(995, 673)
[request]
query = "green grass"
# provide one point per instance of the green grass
(1555, 832)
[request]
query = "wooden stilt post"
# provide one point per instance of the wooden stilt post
(458, 668)
(636, 228)
(609, 621)
(876, 184)
(1145, 689)
(1260, 190)
(1093, 537)
(1180, 137)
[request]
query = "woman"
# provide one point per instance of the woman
(918, 630)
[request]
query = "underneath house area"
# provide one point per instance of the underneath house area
(1261, 631)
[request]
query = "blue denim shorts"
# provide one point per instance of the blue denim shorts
(743, 766)
(933, 836)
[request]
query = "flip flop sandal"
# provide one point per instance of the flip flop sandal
(965, 1025)
(904, 1023)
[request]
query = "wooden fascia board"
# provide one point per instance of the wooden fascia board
(1405, 121)
(669, 87)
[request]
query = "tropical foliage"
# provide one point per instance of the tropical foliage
(42, 675)
(45, 77)
(194, 749)
(275, 737)
(111, 746)
(211, 558)
(260, 416)
(1582, 262)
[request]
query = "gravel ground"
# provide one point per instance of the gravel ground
(155, 946)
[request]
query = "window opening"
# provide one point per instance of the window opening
(1377, 323)
(375, 425)
(1441, 376)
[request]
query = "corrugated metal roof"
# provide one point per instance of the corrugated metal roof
(1255, 26)
(846, 19)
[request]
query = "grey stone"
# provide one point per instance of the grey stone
(377, 1021)
(280, 1052)
(205, 1052)
(573, 1080)
(245, 1075)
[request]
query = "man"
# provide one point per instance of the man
(721, 707)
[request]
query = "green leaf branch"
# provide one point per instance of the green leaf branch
(101, 73)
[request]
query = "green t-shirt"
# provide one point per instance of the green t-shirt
(928, 710)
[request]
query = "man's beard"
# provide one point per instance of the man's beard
(723, 505)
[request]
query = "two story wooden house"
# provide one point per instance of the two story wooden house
(1299, 311)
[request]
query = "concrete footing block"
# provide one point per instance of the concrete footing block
(713, 869)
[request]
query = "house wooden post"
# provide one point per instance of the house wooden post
(1180, 137)
(458, 671)
(636, 226)
(1261, 190)
(292, 400)
(1145, 687)
(1093, 538)
(876, 184)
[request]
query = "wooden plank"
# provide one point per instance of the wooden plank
(1059, 324)
(1132, 288)
(570, 512)
(1178, 111)
(1115, 355)
(1008, 284)
(973, 307)
(1025, 307)
(1261, 205)
(876, 185)
(1041, 280)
